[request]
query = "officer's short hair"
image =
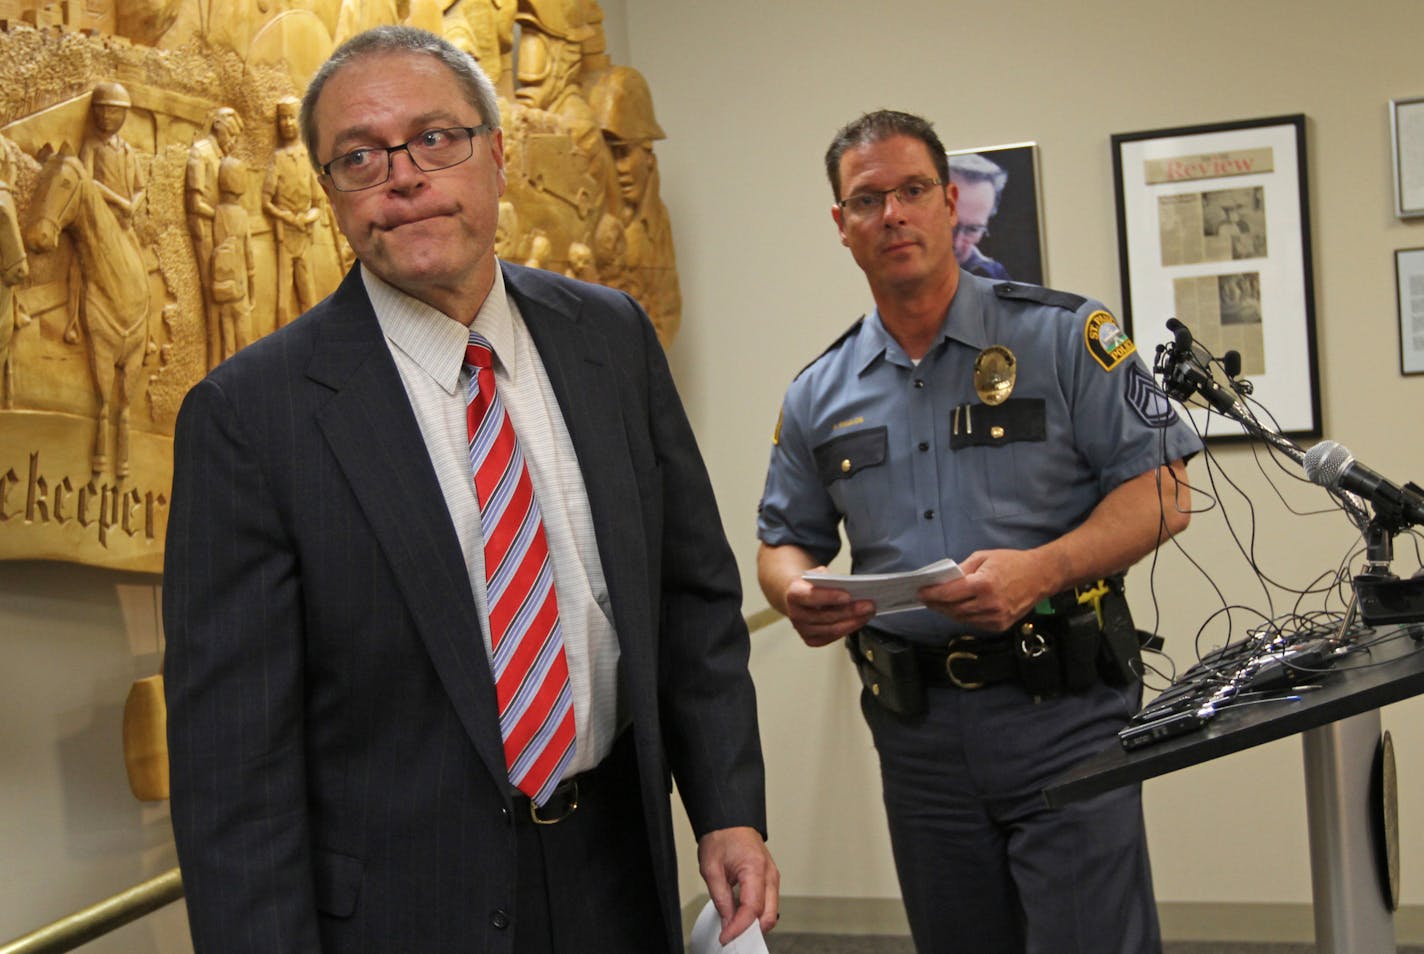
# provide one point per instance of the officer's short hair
(876, 127)
(478, 89)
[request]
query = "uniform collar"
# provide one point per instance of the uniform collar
(964, 322)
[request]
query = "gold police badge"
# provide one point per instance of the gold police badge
(995, 371)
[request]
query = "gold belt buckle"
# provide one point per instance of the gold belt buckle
(571, 803)
(957, 654)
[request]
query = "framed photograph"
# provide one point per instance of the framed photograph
(1000, 232)
(1409, 285)
(1406, 132)
(1213, 229)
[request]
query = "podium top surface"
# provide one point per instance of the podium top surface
(1391, 671)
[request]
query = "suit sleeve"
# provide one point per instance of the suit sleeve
(707, 697)
(233, 674)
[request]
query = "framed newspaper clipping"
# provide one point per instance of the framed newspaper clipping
(1409, 285)
(1406, 132)
(1214, 229)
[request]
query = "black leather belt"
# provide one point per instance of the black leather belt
(567, 794)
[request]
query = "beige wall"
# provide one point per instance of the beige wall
(750, 93)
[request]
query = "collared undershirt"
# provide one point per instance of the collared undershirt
(429, 349)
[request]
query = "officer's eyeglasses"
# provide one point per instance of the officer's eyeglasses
(978, 232)
(870, 203)
(432, 150)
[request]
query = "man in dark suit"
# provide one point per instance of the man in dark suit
(348, 771)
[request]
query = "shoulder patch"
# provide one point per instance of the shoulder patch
(1106, 341)
(1148, 400)
(1039, 294)
(855, 326)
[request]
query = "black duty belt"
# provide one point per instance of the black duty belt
(970, 662)
(1070, 642)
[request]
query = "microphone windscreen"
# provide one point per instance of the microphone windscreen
(1326, 462)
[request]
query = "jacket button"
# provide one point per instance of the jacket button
(499, 919)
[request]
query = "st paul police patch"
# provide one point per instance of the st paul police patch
(1147, 399)
(1106, 341)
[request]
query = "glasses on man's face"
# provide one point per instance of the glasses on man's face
(870, 203)
(976, 232)
(431, 151)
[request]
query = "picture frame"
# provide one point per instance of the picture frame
(1409, 290)
(1015, 237)
(1406, 135)
(1214, 229)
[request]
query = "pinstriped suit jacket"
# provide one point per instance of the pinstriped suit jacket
(337, 774)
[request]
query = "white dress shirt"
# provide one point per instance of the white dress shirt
(429, 350)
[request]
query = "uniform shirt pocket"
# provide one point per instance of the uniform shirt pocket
(847, 455)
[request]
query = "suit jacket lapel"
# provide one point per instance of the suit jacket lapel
(398, 492)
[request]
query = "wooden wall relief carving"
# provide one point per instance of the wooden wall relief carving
(158, 212)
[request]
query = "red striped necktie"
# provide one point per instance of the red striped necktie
(531, 672)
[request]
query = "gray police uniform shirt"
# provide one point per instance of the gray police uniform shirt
(919, 468)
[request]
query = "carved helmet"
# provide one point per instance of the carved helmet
(565, 19)
(110, 93)
(624, 106)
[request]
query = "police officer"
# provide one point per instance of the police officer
(1016, 430)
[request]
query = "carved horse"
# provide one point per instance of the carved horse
(114, 307)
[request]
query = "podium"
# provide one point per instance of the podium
(1340, 724)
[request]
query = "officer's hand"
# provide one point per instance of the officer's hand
(999, 587)
(823, 615)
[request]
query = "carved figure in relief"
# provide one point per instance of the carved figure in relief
(551, 38)
(114, 306)
(581, 263)
(201, 199)
(541, 250)
(233, 267)
(14, 268)
(113, 164)
(357, 15)
(506, 232)
(485, 30)
(624, 106)
(291, 196)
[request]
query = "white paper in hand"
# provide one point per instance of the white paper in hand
(708, 928)
(892, 592)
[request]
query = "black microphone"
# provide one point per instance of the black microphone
(1332, 466)
(1182, 333)
(1231, 363)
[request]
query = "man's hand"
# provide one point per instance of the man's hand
(742, 880)
(823, 615)
(998, 588)
(820, 614)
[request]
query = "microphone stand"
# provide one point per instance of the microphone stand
(1339, 756)
(1379, 596)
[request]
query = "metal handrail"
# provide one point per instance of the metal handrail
(761, 619)
(81, 927)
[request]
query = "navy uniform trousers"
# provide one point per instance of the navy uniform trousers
(979, 853)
